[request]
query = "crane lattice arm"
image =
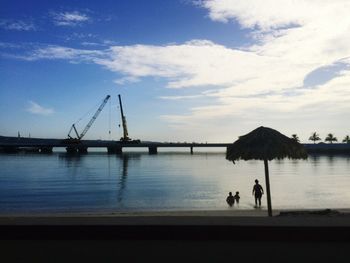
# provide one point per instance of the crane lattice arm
(125, 129)
(87, 127)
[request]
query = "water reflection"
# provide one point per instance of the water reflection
(279, 161)
(125, 164)
(330, 159)
(315, 159)
(72, 161)
(123, 177)
(69, 159)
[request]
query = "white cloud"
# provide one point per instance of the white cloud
(69, 18)
(35, 108)
(10, 45)
(181, 97)
(91, 44)
(59, 52)
(266, 15)
(125, 80)
(263, 81)
(306, 109)
(17, 25)
(194, 63)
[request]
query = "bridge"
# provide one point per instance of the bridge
(16, 144)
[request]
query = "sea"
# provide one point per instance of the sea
(98, 182)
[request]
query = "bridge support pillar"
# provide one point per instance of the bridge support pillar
(71, 149)
(152, 150)
(115, 149)
(46, 149)
(82, 149)
(76, 149)
(191, 149)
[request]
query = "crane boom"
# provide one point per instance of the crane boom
(125, 129)
(87, 127)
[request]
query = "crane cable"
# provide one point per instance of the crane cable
(109, 117)
(119, 125)
(88, 112)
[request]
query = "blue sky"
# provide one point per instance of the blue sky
(187, 70)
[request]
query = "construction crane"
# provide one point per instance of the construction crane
(125, 137)
(87, 127)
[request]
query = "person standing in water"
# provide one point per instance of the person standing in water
(258, 191)
(230, 199)
(237, 197)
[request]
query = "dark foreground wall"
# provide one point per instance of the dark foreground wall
(173, 244)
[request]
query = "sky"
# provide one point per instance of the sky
(186, 70)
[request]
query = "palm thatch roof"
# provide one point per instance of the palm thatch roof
(265, 143)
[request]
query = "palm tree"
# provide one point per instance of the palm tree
(314, 137)
(346, 139)
(295, 137)
(330, 138)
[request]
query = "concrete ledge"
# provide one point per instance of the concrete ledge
(176, 232)
(191, 225)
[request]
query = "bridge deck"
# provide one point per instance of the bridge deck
(39, 142)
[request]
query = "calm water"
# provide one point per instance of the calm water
(97, 182)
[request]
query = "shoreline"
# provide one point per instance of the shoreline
(234, 211)
(257, 217)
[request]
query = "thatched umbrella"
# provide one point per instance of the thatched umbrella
(265, 144)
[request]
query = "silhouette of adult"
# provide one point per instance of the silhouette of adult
(230, 199)
(258, 191)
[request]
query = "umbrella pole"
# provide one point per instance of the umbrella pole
(268, 193)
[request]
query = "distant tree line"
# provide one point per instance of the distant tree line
(316, 137)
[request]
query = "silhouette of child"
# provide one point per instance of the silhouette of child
(237, 197)
(230, 199)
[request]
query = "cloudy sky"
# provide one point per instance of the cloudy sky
(187, 70)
